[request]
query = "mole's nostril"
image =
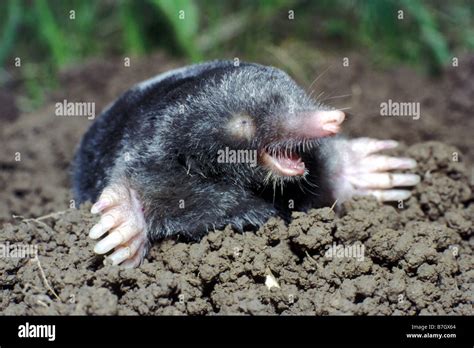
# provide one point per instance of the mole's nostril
(317, 124)
(332, 116)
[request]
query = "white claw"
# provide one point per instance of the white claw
(391, 195)
(135, 261)
(120, 255)
(366, 146)
(406, 163)
(108, 243)
(384, 180)
(379, 163)
(125, 252)
(100, 205)
(406, 179)
(105, 224)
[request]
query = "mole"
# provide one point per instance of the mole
(215, 144)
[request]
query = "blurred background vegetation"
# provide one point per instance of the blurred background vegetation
(47, 38)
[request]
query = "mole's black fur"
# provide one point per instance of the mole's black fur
(162, 137)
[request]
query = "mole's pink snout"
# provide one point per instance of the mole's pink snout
(318, 124)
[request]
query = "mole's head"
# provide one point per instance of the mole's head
(255, 121)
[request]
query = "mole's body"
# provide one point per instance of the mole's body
(214, 144)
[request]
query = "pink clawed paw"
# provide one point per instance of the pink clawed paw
(123, 224)
(363, 172)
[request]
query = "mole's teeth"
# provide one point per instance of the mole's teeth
(285, 166)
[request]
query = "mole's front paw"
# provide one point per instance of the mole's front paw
(122, 217)
(362, 172)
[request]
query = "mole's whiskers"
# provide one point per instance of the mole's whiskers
(316, 79)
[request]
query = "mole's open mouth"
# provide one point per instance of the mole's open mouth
(283, 163)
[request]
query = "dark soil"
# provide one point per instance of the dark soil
(418, 257)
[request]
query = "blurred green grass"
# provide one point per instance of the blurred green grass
(44, 35)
